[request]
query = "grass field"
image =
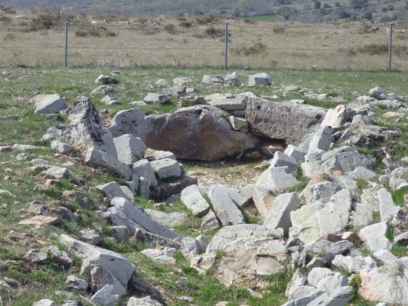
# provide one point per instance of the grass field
(18, 124)
(28, 40)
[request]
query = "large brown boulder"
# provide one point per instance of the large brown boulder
(197, 133)
(282, 120)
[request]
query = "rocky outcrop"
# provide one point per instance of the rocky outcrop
(197, 133)
(282, 120)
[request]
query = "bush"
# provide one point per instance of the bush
(94, 31)
(279, 29)
(214, 32)
(5, 19)
(255, 49)
(203, 20)
(45, 21)
(171, 29)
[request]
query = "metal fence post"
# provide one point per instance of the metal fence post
(390, 45)
(66, 43)
(227, 38)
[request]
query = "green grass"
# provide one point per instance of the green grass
(399, 196)
(18, 124)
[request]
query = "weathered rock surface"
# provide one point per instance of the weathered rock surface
(316, 220)
(251, 253)
(272, 181)
(225, 206)
(282, 120)
(48, 104)
(197, 133)
(134, 218)
(192, 198)
(279, 213)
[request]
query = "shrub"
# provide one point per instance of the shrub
(255, 49)
(5, 19)
(279, 29)
(203, 20)
(45, 21)
(214, 32)
(94, 31)
(171, 29)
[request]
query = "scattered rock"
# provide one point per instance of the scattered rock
(155, 98)
(48, 104)
(224, 206)
(197, 133)
(192, 198)
(260, 79)
(167, 168)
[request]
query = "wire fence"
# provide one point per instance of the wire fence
(347, 46)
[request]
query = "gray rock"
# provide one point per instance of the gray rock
(44, 302)
(48, 104)
(279, 213)
(339, 297)
(146, 301)
(192, 198)
(260, 79)
(76, 283)
(335, 117)
(130, 148)
(198, 133)
(271, 181)
(113, 190)
(106, 80)
(386, 204)
(212, 80)
(353, 264)
(57, 173)
(377, 93)
(134, 218)
(345, 159)
(295, 154)
(374, 236)
(155, 98)
(316, 220)
(163, 256)
(120, 233)
(281, 160)
(60, 147)
(90, 236)
(362, 173)
(86, 130)
(227, 102)
(224, 206)
(209, 222)
(171, 219)
(321, 191)
(386, 284)
(232, 79)
(116, 269)
(144, 175)
(250, 253)
(108, 295)
(321, 140)
(129, 121)
(167, 168)
(283, 120)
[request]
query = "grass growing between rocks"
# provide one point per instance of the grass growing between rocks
(18, 124)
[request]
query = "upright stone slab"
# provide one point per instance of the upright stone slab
(224, 207)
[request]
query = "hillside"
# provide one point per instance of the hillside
(293, 10)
